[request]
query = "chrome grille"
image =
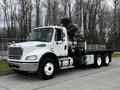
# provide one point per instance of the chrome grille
(15, 53)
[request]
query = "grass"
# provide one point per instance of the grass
(4, 68)
(116, 55)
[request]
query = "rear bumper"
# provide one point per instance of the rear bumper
(24, 66)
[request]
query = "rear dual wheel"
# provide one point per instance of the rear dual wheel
(106, 60)
(97, 61)
(102, 60)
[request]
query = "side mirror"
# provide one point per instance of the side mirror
(63, 39)
(60, 42)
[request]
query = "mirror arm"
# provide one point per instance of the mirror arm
(59, 42)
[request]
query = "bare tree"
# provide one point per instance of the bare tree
(24, 17)
(114, 35)
(38, 13)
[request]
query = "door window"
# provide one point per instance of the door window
(59, 35)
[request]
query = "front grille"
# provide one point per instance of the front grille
(15, 53)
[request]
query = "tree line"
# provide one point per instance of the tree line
(99, 22)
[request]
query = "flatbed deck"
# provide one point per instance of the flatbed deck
(97, 51)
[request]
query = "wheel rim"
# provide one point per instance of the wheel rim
(107, 60)
(99, 61)
(49, 68)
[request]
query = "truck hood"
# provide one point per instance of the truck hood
(32, 48)
(27, 44)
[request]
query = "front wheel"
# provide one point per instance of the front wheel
(47, 68)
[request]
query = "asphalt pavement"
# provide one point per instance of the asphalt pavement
(84, 78)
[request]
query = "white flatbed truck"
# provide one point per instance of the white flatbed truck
(50, 50)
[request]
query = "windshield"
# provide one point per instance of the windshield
(42, 34)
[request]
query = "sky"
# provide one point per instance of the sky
(1, 21)
(109, 2)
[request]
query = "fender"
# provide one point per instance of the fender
(52, 55)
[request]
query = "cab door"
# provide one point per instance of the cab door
(60, 44)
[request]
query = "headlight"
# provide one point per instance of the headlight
(33, 57)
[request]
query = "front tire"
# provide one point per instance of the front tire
(47, 68)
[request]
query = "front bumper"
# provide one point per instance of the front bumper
(24, 66)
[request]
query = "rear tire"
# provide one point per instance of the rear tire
(97, 61)
(47, 68)
(106, 60)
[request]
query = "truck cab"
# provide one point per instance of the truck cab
(49, 50)
(43, 42)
